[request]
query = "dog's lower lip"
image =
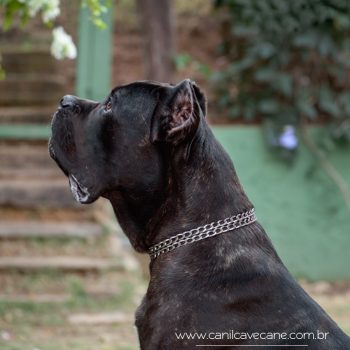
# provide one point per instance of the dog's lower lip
(80, 192)
(51, 151)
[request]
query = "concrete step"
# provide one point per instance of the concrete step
(96, 319)
(61, 263)
(26, 114)
(34, 90)
(27, 172)
(25, 156)
(29, 193)
(29, 178)
(25, 132)
(18, 61)
(35, 298)
(41, 298)
(42, 229)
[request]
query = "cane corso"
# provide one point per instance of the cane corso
(216, 280)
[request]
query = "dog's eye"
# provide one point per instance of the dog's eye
(108, 106)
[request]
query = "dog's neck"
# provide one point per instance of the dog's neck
(201, 189)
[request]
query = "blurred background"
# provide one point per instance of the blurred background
(276, 75)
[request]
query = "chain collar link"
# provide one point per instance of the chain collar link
(203, 232)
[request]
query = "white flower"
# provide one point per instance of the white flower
(288, 139)
(50, 8)
(62, 45)
(34, 6)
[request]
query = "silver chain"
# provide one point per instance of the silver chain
(202, 232)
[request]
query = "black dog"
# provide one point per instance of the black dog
(148, 149)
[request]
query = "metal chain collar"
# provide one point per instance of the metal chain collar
(202, 232)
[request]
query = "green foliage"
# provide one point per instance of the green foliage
(62, 45)
(12, 8)
(289, 61)
(183, 61)
(22, 9)
(97, 9)
(2, 72)
(77, 290)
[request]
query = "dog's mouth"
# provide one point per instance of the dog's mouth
(52, 152)
(80, 193)
(62, 151)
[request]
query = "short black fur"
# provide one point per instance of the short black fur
(155, 158)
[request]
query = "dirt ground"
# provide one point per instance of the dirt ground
(69, 321)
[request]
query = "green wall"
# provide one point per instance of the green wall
(304, 215)
(94, 62)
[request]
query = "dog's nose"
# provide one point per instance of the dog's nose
(68, 101)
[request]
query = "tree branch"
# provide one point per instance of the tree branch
(325, 164)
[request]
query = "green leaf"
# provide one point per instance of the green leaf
(99, 23)
(284, 84)
(266, 50)
(342, 22)
(264, 75)
(10, 9)
(182, 61)
(24, 18)
(268, 106)
(218, 78)
(203, 69)
(97, 8)
(7, 21)
(307, 108)
(344, 99)
(249, 112)
(291, 24)
(327, 144)
(242, 31)
(241, 65)
(224, 100)
(328, 102)
(234, 112)
(326, 46)
(306, 40)
(2, 74)
(305, 102)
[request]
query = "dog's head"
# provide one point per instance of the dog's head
(118, 143)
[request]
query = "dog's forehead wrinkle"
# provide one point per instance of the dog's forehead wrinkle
(143, 119)
(144, 87)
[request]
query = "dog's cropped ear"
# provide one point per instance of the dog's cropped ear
(178, 117)
(200, 98)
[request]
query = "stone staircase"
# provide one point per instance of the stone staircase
(29, 178)
(43, 231)
(36, 206)
(45, 234)
(32, 86)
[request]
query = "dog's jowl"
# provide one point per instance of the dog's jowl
(215, 276)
